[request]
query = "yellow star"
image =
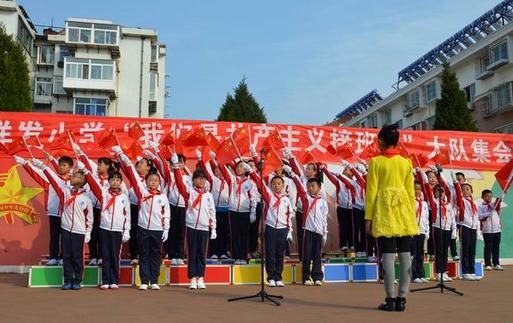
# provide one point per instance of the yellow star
(14, 197)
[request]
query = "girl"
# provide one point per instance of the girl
(200, 218)
(390, 213)
(417, 245)
(77, 222)
(489, 215)
(278, 229)
(153, 221)
(114, 223)
(432, 181)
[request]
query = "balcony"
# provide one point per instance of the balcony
(481, 75)
(97, 33)
(498, 63)
(43, 90)
(89, 74)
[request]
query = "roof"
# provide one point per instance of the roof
(361, 105)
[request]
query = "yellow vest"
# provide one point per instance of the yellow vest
(390, 197)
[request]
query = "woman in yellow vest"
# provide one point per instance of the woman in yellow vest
(390, 213)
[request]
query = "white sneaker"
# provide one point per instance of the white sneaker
(424, 280)
(364, 254)
(358, 254)
(213, 257)
(372, 259)
(60, 262)
(114, 286)
(180, 261)
(279, 283)
(475, 277)
(417, 281)
(308, 283)
(193, 284)
(201, 283)
(52, 262)
(155, 287)
(271, 283)
(447, 278)
(174, 261)
(468, 277)
(498, 267)
(100, 262)
(396, 281)
(488, 268)
(93, 262)
(134, 262)
(143, 287)
(318, 283)
(104, 287)
(455, 258)
(224, 257)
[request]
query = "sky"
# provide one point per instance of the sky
(304, 61)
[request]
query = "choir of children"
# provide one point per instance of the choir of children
(217, 205)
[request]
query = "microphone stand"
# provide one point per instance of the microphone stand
(441, 284)
(262, 294)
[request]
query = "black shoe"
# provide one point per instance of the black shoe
(388, 306)
(400, 304)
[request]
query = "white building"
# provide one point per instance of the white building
(481, 55)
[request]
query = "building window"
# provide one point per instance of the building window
(373, 121)
(431, 91)
(94, 69)
(44, 86)
(63, 52)
(91, 106)
(57, 85)
(25, 37)
(363, 124)
(386, 117)
(153, 85)
(503, 93)
(414, 99)
(45, 55)
(92, 33)
(470, 92)
(154, 51)
(499, 51)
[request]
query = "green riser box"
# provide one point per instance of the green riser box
(51, 276)
(428, 270)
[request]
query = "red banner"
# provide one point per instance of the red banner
(466, 150)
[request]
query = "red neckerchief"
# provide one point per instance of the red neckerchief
(197, 200)
(111, 201)
(314, 202)
(473, 205)
(239, 184)
(152, 194)
(276, 204)
(390, 152)
(74, 195)
(444, 209)
(102, 179)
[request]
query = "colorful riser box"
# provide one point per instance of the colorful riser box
(364, 272)
(453, 269)
(429, 270)
(214, 275)
(341, 260)
(337, 273)
(298, 273)
(250, 274)
(163, 276)
(51, 276)
(126, 276)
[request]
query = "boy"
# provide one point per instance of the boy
(489, 215)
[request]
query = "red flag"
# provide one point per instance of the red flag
(135, 131)
(504, 176)
(275, 140)
(107, 139)
(168, 140)
(33, 141)
(212, 141)
(343, 151)
(403, 151)
(61, 144)
(195, 138)
(419, 160)
(134, 150)
(272, 161)
(241, 139)
(308, 157)
(17, 145)
(226, 151)
(442, 158)
(370, 151)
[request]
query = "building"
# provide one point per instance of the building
(481, 55)
(92, 67)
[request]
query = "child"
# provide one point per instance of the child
(315, 226)
(432, 181)
(76, 223)
(417, 242)
(63, 167)
(468, 219)
(200, 218)
(489, 215)
(153, 221)
(278, 228)
(115, 223)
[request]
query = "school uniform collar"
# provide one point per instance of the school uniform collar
(390, 152)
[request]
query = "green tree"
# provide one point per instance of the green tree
(241, 106)
(452, 112)
(14, 75)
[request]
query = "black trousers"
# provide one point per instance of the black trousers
(254, 228)
(441, 243)
(452, 244)
(417, 253)
(219, 246)
(239, 230)
(468, 238)
(175, 242)
(491, 248)
(275, 245)
(299, 233)
(132, 243)
(95, 249)
(111, 249)
(370, 246)
(72, 256)
(312, 248)
(55, 236)
(345, 227)
(431, 240)
(359, 229)
(197, 244)
(150, 242)
(394, 244)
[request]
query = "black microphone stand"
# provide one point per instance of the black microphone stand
(440, 284)
(262, 294)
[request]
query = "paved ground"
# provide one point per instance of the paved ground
(486, 301)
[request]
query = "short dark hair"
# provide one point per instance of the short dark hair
(277, 177)
(315, 180)
(147, 160)
(152, 173)
(389, 134)
(460, 174)
(416, 182)
(66, 160)
(429, 171)
(467, 184)
(115, 174)
(181, 158)
(105, 160)
(198, 174)
(487, 191)
(438, 188)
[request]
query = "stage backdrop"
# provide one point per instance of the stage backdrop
(24, 224)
